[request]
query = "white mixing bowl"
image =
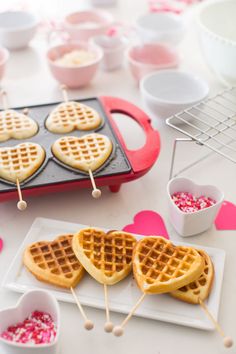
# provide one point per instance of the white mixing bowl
(160, 27)
(217, 31)
(167, 92)
(17, 28)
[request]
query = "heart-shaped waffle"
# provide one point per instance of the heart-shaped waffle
(21, 161)
(107, 257)
(16, 125)
(160, 267)
(54, 262)
(69, 116)
(199, 288)
(88, 152)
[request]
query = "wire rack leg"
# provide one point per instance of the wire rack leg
(177, 140)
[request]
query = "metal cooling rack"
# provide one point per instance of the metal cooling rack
(210, 123)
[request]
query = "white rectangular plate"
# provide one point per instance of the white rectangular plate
(123, 295)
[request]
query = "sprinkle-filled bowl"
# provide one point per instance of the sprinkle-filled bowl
(74, 72)
(167, 92)
(34, 304)
(144, 59)
(201, 205)
(4, 55)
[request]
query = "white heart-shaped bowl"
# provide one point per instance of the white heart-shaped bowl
(189, 224)
(40, 300)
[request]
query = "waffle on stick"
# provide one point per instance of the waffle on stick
(21, 161)
(69, 116)
(161, 267)
(198, 291)
(107, 257)
(86, 153)
(16, 125)
(54, 262)
(199, 288)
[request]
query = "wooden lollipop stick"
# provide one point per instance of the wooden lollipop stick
(64, 93)
(96, 193)
(4, 100)
(108, 325)
(26, 111)
(228, 342)
(21, 205)
(119, 330)
(87, 323)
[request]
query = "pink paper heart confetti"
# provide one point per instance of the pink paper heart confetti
(226, 218)
(1, 244)
(147, 223)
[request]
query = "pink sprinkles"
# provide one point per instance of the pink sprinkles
(38, 328)
(188, 203)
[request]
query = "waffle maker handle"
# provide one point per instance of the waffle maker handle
(142, 159)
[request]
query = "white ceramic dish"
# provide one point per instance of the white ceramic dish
(189, 224)
(160, 27)
(40, 300)
(113, 48)
(123, 295)
(168, 92)
(17, 28)
(217, 33)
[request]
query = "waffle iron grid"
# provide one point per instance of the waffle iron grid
(53, 171)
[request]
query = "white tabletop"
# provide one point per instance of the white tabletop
(28, 81)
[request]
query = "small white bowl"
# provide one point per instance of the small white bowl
(217, 33)
(160, 27)
(40, 300)
(168, 92)
(189, 224)
(17, 28)
(113, 48)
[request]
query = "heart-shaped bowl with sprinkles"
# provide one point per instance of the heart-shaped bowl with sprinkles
(192, 207)
(33, 325)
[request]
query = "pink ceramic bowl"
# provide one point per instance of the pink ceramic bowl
(73, 77)
(4, 55)
(143, 59)
(82, 25)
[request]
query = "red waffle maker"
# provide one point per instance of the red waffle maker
(124, 165)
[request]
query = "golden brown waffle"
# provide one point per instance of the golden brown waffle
(69, 116)
(16, 125)
(107, 257)
(86, 153)
(54, 262)
(200, 288)
(21, 161)
(160, 267)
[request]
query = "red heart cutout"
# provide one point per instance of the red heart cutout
(147, 223)
(226, 218)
